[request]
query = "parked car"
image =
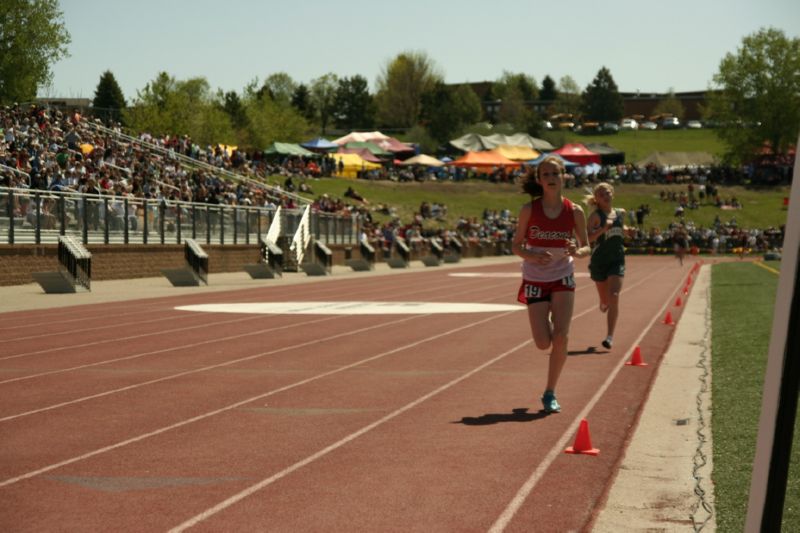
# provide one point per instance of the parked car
(648, 125)
(629, 124)
(694, 125)
(670, 123)
(610, 127)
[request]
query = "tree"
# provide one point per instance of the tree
(280, 87)
(670, 106)
(548, 91)
(568, 97)
(601, 99)
(301, 100)
(167, 106)
(522, 84)
(323, 97)
(446, 110)
(32, 38)
(354, 107)
(233, 107)
(401, 84)
(108, 99)
(756, 96)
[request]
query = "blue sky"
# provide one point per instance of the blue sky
(648, 46)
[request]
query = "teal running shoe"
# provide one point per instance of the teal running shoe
(550, 403)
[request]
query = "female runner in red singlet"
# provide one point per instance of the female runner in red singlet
(547, 230)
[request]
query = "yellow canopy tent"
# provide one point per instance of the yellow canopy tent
(517, 153)
(351, 165)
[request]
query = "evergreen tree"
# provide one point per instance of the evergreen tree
(301, 101)
(548, 91)
(354, 106)
(601, 99)
(108, 100)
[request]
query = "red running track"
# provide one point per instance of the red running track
(135, 416)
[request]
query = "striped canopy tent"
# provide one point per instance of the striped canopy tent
(371, 146)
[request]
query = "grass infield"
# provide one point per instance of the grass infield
(742, 302)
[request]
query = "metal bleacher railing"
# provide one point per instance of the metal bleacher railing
(195, 163)
(31, 216)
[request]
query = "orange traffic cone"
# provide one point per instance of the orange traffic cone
(678, 301)
(668, 319)
(636, 358)
(583, 443)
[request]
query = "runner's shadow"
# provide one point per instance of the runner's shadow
(519, 414)
(588, 351)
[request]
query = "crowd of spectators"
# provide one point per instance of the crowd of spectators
(47, 149)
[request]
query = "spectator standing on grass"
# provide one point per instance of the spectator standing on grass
(545, 239)
(606, 231)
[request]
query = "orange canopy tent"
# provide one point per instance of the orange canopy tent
(484, 161)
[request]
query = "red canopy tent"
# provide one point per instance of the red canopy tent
(577, 153)
(484, 160)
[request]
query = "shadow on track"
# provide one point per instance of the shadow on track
(519, 414)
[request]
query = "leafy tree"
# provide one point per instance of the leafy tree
(168, 106)
(108, 99)
(548, 91)
(523, 85)
(670, 106)
(601, 99)
(446, 110)
(354, 106)
(568, 97)
(401, 84)
(323, 97)
(32, 38)
(301, 100)
(269, 122)
(280, 87)
(756, 94)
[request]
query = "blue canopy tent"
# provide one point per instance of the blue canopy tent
(320, 144)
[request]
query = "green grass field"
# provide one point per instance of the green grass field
(640, 143)
(742, 300)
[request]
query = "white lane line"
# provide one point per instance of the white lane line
(325, 451)
(241, 403)
(132, 337)
(182, 346)
(558, 448)
(283, 473)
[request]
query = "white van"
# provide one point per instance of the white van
(629, 124)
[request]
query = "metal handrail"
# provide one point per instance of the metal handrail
(125, 219)
(197, 163)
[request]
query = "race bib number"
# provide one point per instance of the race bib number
(533, 291)
(568, 281)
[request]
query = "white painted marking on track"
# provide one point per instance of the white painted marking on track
(501, 275)
(351, 308)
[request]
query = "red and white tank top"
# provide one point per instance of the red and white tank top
(553, 235)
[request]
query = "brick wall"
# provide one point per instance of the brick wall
(19, 261)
